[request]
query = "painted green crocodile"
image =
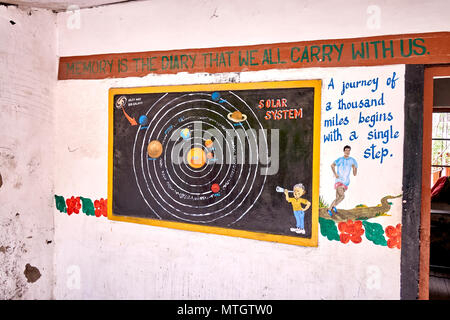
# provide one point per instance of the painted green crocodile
(359, 213)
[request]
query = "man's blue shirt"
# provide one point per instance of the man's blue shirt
(344, 169)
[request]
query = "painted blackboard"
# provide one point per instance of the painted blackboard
(234, 159)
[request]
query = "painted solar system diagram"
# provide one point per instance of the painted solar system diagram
(218, 158)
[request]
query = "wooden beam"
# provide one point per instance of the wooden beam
(419, 48)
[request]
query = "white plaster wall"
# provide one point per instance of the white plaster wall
(27, 82)
(172, 24)
(97, 258)
(101, 259)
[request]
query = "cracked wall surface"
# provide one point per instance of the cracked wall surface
(27, 81)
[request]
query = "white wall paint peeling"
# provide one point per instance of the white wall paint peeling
(27, 83)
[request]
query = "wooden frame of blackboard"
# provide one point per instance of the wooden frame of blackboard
(315, 84)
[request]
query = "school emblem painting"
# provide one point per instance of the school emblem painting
(212, 158)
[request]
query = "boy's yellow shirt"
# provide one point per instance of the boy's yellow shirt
(297, 203)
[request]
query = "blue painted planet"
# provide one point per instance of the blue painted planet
(215, 96)
(143, 120)
(185, 133)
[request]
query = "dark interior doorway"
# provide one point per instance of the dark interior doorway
(439, 281)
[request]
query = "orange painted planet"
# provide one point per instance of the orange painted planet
(196, 158)
(208, 143)
(237, 116)
(154, 149)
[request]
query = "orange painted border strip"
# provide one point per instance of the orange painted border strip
(425, 216)
(427, 48)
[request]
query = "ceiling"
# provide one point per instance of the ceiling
(61, 5)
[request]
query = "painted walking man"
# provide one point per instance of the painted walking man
(299, 212)
(342, 168)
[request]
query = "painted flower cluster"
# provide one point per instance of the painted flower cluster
(346, 231)
(354, 231)
(73, 204)
(351, 231)
(100, 207)
(395, 236)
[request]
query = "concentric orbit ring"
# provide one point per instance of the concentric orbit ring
(222, 198)
(199, 177)
(154, 164)
(179, 113)
(188, 205)
(190, 139)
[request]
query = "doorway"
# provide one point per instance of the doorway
(434, 281)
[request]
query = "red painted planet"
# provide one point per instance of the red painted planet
(215, 188)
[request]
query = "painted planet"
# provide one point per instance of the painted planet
(143, 120)
(215, 96)
(185, 133)
(215, 188)
(208, 143)
(196, 158)
(209, 155)
(154, 149)
(237, 116)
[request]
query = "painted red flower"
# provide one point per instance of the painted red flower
(395, 236)
(351, 231)
(73, 205)
(100, 207)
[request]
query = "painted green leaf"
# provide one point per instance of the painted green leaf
(328, 229)
(323, 203)
(87, 206)
(60, 203)
(375, 233)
